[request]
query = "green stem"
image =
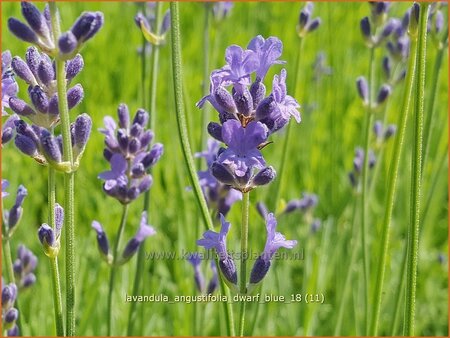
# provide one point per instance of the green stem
(8, 258)
(69, 178)
(114, 267)
(392, 182)
(183, 134)
(286, 144)
(399, 295)
(205, 86)
(364, 182)
(244, 253)
(56, 283)
(416, 168)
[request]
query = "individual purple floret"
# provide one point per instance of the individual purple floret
(24, 267)
(9, 128)
(306, 203)
(9, 84)
(217, 241)
(199, 279)
(275, 240)
(221, 9)
(133, 244)
(14, 215)
(9, 313)
(306, 24)
(127, 151)
(5, 185)
(267, 51)
(102, 241)
(49, 237)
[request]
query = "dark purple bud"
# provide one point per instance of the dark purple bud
(26, 145)
(17, 267)
(387, 67)
(228, 269)
(98, 23)
(390, 131)
(313, 25)
(363, 88)
(381, 7)
(141, 19)
(221, 173)
(165, 25)
(131, 248)
(145, 184)
(33, 58)
(9, 294)
(39, 99)
(262, 209)
(122, 139)
(46, 235)
(383, 94)
(224, 99)
(22, 70)
(378, 129)
(258, 92)
(303, 18)
(265, 108)
(365, 28)
(74, 66)
(87, 25)
(23, 128)
(53, 107)
(353, 179)
(82, 130)
(292, 205)
(405, 20)
(146, 138)
(75, 95)
(14, 332)
(7, 135)
(29, 280)
(11, 316)
(264, 176)
(414, 18)
(107, 154)
(15, 214)
(50, 147)
(20, 107)
(141, 117)
(22, 31)
(46, 72)
(134, 146)
(244, 102)
(136, 130)
(153, 156)
(215, 130)
(102, 239)
(133, 193)
(67, 42)
(259, 270)
(34, 18)
(389, 28)
(138, 170)
(372, 159)
(124, 116)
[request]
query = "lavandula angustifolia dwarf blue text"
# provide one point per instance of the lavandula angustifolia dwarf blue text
(130, 156)
(47, 80)
(247, 118)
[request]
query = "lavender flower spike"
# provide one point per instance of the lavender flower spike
(133, 244)
(275, 240)
(102, 241)
(217, 241)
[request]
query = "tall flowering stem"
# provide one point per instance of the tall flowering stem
(69, 178)
(244, 253)
(416, 168)
(187, 153)
(392, 180)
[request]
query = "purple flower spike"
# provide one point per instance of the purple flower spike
(24, 266)
(195, 261)
(275, 240)
(242, 153)
(23, 71)
(144, 231)
(67, 42)
(268, 51)
(102, 239)
(22, 31)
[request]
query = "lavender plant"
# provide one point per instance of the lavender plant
(130, 157)
(48, 72)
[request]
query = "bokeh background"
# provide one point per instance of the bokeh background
(321, 155)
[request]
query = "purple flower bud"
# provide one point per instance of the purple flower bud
(82, 130)
(138, 170)
(224, 99)
(387, 67)
(439, 24)
(363, 88)
(153, 156)
(15, 214)
(134, 146)
(53, 107)
(33, 58)
(390, 131)
(39, 99)
(46, 235)
(102, 239)
(303, 18)
(145, 184)
(264, 176)
(258, 92)
(29, 280)
(9, 294)
(136, 130)
(67, 42)
(141, 117)
(414, 18)
(222, 174)
(243, 101)
(107, 154)
(75, 95)
(22, 31)
(23, 128)
(383, 94)
(365, 28)
(26, 145)
(265, 108)
(122, 139)
(313, 25)
(144, 231)
(315, 225)
(215, 130)
(259, 270)
(214, 281)
(87, 25)
(389, 27)
(228, 268)
(378, 128)
(46, 72)
(165, 25)
(146, 138)
(34, 18)
(195, 261)
(22, 70)
(11, 316)
(74, 66)
(14, 332)
(50, 147)
(20, 107)
(124, 116)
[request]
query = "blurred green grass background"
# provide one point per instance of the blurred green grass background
(320, 157)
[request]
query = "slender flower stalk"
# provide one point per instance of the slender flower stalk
(392, 180)
(244, 253)
(182, 130)
(416, 168)
(205, 87)
(69, 178)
